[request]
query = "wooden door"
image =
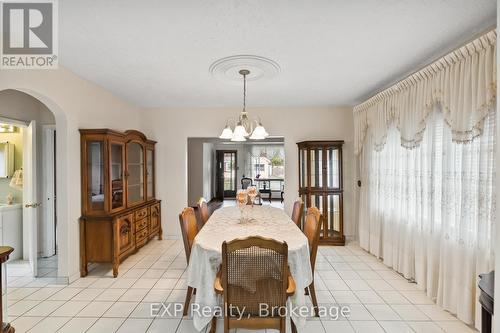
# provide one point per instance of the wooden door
(226, 168)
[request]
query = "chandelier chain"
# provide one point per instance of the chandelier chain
(244, 92)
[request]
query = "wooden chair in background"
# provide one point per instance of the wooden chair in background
(298, 208)
(254, 271)
(189, 230)
(312, 229)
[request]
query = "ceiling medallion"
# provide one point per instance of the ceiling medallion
(228, 69)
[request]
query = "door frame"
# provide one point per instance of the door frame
(30, 196)
(49, 240)
(219, 158)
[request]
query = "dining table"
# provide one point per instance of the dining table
(226, 224)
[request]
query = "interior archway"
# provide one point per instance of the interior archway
(61, 181)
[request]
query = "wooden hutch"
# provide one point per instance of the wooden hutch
(120, 212)
(320, 185)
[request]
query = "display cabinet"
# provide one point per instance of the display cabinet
(120, 212)
(320, 185)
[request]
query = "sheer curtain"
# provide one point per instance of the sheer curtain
(428, 211)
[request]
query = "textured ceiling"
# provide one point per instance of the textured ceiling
(157, 53)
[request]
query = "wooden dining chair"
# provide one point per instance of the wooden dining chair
(298, 208)
(203, 212)
(254, 271)
(312, 229)
(189, 229)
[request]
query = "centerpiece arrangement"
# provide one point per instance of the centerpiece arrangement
(245, 201)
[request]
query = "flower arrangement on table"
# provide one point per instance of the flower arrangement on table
(242, 200)
(252, 193)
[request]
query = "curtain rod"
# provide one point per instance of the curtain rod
(435, 60)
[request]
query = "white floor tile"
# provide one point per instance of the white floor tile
(366, 327)
(382, 312)
(108, 325)
(44, 308)
(120, 310)
(77, 325)
(338, 326)
(455, 327)
(163, 325)
(378, 297)
(95, 309)
(21, 307)
(425, 327)
(134, 325)
(69, 309)
(409, 312)
(49, 325)
(395, 327)
(23, 324)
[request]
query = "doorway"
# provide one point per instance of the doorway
(227, 165)
(28, 192)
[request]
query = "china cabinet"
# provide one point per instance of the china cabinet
(120, 212)
(320, 185)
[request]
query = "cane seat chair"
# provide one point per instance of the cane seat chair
(312, 228)
(255, 271)
(189, 229)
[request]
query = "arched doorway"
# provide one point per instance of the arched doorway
(41, 121)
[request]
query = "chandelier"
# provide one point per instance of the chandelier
(244, 127)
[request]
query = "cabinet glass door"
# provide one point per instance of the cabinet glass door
(95, 176)
(116, 174)
(303, 167)
(316, 155)
(150, 161)
(135, 173)
(332, 168)
(333, 215)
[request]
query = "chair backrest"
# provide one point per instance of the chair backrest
(246, 182)
(312, 230)
(189, 229)
(298, 208)
(203, 210)
(254, 272)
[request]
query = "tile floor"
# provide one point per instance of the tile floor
(47, 267)
(380, 300)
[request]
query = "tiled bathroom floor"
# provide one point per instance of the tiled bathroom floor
(380, 300)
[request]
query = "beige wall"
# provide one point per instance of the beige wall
(172, 128)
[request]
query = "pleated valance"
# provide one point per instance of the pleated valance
(462, 83)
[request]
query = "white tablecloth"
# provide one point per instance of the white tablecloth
(224, 225)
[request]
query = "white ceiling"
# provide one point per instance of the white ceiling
(157, 53)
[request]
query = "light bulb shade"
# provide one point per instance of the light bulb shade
(227, 133)
(239, 130)
(259, 133)
(238, 137)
